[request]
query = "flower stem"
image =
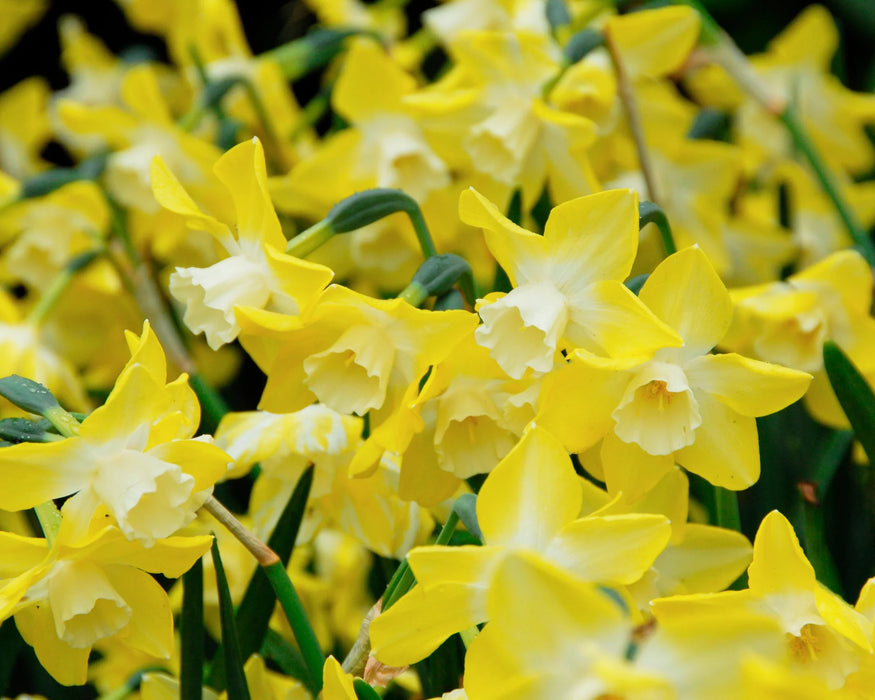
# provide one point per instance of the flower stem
(633, 117)
(721, 50)
(282, 585)
(141, 282)
(59, 285)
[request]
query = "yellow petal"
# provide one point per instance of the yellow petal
(171, 195)
(576, 401)
(531, 494)
(150, 628)
(423, 619)
(607, 318)
(337, 685)
(631, 470)
(66, 665)
(779, 564)
(33, 473)
(655, 42)
(750, 387)
(520, 253)
(369, 83)
(243, 172)
(686, 293)
(707, 560)
(726, 451)
(592, 238)
(611, 549)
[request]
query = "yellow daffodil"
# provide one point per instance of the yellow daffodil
(19, 14)
(89, 588)
(354, 354)
(50, 231)
(133, 455)
(464, 420)
(285, 444)
(385, 146)
(24, 127)
(257, 273)
(683, 405)
(568, 289)
(529, 502)
(788, 322)
(822, 634)
(552, 635)
(508, 131)
(27, 351)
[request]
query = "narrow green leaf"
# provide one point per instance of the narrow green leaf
(294, 611)
(363, 691)
(854, 394)
(191, 633)
(284, 655)
(236, 678)
(256, 608)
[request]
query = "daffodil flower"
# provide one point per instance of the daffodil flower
(822, 634)
(568, 290)
(256, 273)
(551, 635)
(86, 589)
(683, 405)
(529, 502)
(134, 455)
(353, 353)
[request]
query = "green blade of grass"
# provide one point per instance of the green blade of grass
(191, 633)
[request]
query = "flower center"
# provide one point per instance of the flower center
(658, 411)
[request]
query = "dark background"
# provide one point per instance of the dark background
(270, 22)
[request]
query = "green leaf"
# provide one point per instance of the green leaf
(191, 633)
(256, 608)
(301, 627)
(236, 678)
(363, 691)
(854, 394)
(284, 655)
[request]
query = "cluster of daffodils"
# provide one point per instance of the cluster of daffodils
(445, 381)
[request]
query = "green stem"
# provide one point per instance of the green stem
(403, 578)
(414, 294)
(238, 688)
(191, 633)
(310, 239)
(294, 610)
(722, 50)
(726, 509)
(651, 213)
(273, 568)
(827, 181)
(422, 233)
(633, 117)
(58, 286)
